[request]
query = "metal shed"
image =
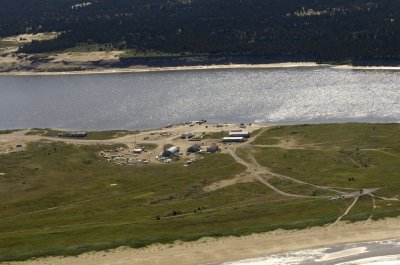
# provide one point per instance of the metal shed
(172, 151)
(213, 149)
(194, 148)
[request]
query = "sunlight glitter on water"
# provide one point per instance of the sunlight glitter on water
(151, 100)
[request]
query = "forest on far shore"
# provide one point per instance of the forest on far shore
(320, 30)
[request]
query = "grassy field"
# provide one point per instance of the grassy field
(332, 154)
(348, 155)
(60, 199)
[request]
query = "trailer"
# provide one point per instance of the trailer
(233, 139)
(239, 134)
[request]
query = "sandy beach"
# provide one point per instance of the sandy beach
(144, 69)
(351, 67)
(214, 251)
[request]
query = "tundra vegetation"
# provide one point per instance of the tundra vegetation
(63, 199)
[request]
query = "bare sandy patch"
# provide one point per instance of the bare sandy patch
(8, 60)
(84, 57)
(27, 38)
(242, 178)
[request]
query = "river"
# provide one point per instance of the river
(151, 100)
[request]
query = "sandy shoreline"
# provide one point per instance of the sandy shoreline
(142, 69)
(211, 250)
(165, 69)
(351, 67)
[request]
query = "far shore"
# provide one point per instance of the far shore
(226, 249)
(144, 69)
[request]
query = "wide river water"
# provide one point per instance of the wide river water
(151, 100)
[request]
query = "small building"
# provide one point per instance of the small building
(200, 122)
(194, 148)
(213, 149)
(172, 151)
(239, 134)
(137, 150)
(233, 139)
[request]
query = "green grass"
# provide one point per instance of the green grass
(331, 154)
(296, 188)
(386, 209)
(361, 211)
(346, 135)
(57, 199)
(216, 135)
(368, 152)
(90, 214)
